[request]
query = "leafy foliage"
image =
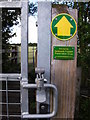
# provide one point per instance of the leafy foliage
(84, 108)
(84, 39)
(9, 18)
(32, 8)
(84, 55)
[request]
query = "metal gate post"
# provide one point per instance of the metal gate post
(44, 40)
(24, 54)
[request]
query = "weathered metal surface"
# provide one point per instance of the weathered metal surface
(44, 40)
(14, 4)
(24, 54)
(44, 37)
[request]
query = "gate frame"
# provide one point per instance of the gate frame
(23, 5)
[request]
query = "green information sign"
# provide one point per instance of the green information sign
(63, 26)
(63, 52)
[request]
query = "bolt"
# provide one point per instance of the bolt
(55, 18)
(42, 107)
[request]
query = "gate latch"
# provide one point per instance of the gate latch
(41, 94)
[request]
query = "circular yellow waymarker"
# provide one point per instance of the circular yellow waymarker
(63, 26)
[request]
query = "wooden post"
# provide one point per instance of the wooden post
(63, 72)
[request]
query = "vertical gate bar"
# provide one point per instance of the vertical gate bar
(33, 55)
(7, 98)
(44, 40)
(24, 54)
(0, 60)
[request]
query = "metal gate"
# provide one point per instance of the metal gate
(8, 82)
(9, 91)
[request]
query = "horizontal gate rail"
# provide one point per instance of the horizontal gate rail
(16, 76)
(10, 116)
(13, 4)
(10, 103)
(10, 91)
(4, 79)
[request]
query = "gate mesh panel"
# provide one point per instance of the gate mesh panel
(10, 92)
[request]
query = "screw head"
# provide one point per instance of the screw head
(42, 107)
(55, 18)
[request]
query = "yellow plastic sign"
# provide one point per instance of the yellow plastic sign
(63, 26)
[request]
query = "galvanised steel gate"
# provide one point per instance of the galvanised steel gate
(8, 90)
(6, 79)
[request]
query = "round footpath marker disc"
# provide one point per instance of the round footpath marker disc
(63, 26)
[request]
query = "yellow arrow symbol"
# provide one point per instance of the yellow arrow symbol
(63, 27)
